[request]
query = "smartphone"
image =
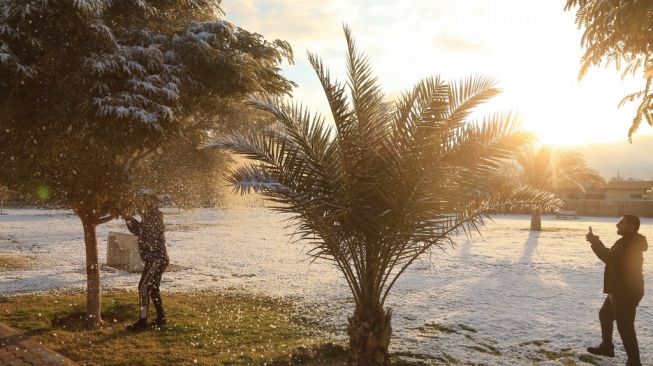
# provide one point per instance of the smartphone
(590, 230)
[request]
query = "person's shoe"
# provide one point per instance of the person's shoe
(141, 324)
(159, 323)
(601, 350)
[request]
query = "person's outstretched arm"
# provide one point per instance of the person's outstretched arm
(606, 255)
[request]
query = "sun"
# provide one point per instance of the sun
(574, 113)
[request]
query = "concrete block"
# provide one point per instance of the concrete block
(122, 252)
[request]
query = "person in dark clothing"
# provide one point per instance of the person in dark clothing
(623, 282)
(152, 249)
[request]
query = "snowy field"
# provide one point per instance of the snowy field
(510, 297)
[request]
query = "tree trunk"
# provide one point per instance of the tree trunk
(93, 296)
(369, 337)
(536, 221)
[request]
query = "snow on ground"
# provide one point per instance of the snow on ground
(499, 299)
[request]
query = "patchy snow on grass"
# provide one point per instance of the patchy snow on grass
(508, 297)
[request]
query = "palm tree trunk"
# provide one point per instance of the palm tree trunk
(536, 220)
(93, 296)
(369, 332)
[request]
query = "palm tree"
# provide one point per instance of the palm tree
(552, 170)
(386, 185)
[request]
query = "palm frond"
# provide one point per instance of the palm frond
(537, 167)
(310, 134)
(468, 94)
(571, 171)
(555, 169)
(336, 97)
(366, 95)
(250, 177)
(484, 145)
(416, 125)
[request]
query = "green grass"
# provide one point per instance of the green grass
(486, 349)
(435, 327)
(538, 342)
(205, 328)
(563, 356)
(588, 358)
(14, 262)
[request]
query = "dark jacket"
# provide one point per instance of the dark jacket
(623, 265)
(151, 236)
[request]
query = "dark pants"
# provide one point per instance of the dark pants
(623, 310)
(148, 287)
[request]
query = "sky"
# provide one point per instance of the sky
(530, 47)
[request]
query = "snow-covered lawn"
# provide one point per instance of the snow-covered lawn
(499, 299)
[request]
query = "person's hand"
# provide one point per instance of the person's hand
(127, 213)
(591, 238)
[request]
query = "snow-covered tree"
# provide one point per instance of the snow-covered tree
(192, 176)
(90, 87)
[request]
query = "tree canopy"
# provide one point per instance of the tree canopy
(619, 32)
(82, 89)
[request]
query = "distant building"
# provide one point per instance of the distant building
(576, 194)
(618, 191)
(613, 199)
(629, 190)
